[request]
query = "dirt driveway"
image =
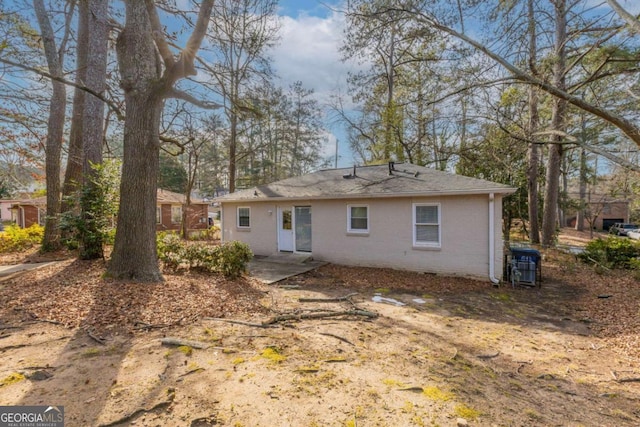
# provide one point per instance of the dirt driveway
(441, 352)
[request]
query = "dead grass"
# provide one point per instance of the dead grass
(558, 355)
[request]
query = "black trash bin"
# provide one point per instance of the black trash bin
(524, 267)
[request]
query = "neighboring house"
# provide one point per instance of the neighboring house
(5, 209)
(397, 215)
(168, 212)
(601, 212)
(26, 212)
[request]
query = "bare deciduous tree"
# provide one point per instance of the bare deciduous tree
(55, 127)
(149, 70)
(240, 35)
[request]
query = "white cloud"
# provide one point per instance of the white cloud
(309, 52)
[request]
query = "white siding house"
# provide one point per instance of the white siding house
(398, 215)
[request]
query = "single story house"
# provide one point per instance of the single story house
(601, 211)
(5, 209)
(170, 208)
(398, 215)
(168, 212)
(26, 212)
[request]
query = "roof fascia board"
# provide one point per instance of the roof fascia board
(505, 191)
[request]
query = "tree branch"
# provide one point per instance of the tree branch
(185, 66)
(627, 127)
(107, 101)
(207, 105)
(604, 153)
(158, 35)
(628, 18)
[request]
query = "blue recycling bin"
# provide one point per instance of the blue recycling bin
(525, 267)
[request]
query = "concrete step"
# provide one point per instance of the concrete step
(288, 258)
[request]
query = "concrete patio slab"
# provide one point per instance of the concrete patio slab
(275, 268)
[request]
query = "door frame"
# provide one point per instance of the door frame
(279, 224)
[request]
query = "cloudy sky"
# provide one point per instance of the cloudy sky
(309, 52)
(311, 35)
(310, 38)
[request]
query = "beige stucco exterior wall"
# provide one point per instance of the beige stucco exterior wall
(262, 236)
(464, 233)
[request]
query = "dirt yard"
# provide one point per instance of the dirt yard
(439, 351)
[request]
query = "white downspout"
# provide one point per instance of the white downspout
(492, 240)
(222, 240)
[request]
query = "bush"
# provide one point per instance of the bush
(211, 233)
(15, 239)
(230, 259)
(170, 249)
(233, 258)
(89, 222)
(612, 252)
(201, 257)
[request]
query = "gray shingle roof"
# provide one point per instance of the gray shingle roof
(369, 181)
(169, 197)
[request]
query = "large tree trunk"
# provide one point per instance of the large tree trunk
(580, 216)
(146, 83)
(55, 132)
(73, 172)
(552, 190)
(233, 141)
(558, 114)
(533, 149)
(96, 13)
(135, 254)
(55, 129)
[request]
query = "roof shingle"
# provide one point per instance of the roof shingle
(370, 181)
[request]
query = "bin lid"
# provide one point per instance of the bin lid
(521, 252)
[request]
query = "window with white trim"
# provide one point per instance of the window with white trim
(243, 217)
(357, 218)
(176, 214)
(426, 224)
(158, 215)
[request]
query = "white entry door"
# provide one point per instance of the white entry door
(285, 230)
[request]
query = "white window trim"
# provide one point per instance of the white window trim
(244, 227)
(158, 215)
(439, 224)
(358, 230)
(181, 212)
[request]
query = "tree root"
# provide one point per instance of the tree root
(204, 421)
(624, 379)
(139, 411)
(311, 314)
(239, 322)
(147, 326)
(180, 342)
(320, 315)
(192, 371)
(337, 337)
(629, 380)
(97, 339)
(338, 299)
(488, 356)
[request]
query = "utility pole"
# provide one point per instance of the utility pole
(336, 153)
